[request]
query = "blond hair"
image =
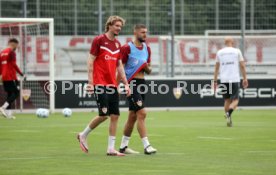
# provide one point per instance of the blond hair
(111, 21)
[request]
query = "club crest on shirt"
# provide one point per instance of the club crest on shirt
(26, 93)
(117, 45)
(106, 43)
(139, 103)
(104, 110)
(177, 92)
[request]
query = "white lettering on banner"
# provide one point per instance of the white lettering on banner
(88, 103)
(248, 93)
(210, 93)
(244, 93)
(262, 91)
(206, 93)
(273, 93)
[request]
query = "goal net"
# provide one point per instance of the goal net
(195, 55)
(35, 57)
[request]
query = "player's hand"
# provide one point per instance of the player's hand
(127, 89)
(245, 83)
(147, 69)
(24, 77)
(90, 88)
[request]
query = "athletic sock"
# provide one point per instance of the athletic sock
(9, 112)
(86, 131)
(230, 111)
(5, 105)
(125, 140)
(111, 142)
(145, 141)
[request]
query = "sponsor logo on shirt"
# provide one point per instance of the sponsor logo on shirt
(108, 57)
(4, 62)
(228, 63)
(4, 54)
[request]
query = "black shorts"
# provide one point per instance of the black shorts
(230, 90)
(107, 100)
(137, 97)
(11, 86)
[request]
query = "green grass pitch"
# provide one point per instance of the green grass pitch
(188, 142)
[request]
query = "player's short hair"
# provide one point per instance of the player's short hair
(111, 20)
(139, 26)
(13, 40)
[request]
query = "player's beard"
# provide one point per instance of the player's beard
(140, 39)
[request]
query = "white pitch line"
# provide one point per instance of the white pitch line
(156, 135)
(153, 171)
(94, 133)
(24, 158)
(151, 135)
(171, 153)
(26, 131)
(216, 138)
(74, 132)
(48, 126)
(261, 151)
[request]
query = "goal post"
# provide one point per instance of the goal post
(35, 54)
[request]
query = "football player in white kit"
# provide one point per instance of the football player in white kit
(229, 63)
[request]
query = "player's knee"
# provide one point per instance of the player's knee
(114, 118)
(141, 114)
(132, 116)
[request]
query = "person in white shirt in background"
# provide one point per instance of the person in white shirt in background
(229, 63)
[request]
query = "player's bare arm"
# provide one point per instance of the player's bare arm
(216, 75)
(122, 76)
(90, 64)
(243, 71)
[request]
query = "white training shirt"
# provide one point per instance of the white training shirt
(229, 59)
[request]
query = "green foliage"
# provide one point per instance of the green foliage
(199, 15)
